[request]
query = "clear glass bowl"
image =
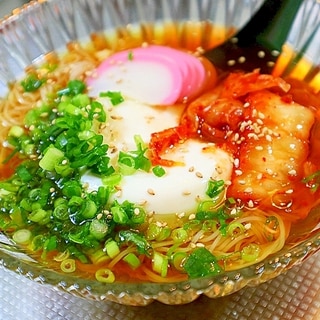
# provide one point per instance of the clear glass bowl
(40, 27)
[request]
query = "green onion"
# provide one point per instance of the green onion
(89, 209)
(99, 256)
(98, 229)
(22, 236)
(234, 229)
(68, 265)
(105, 276)
(178, 260)
(40, 216)
(158, 171)
(130, 55)
(250, 252)
(201, 262)
(215, 188)
(112, 248)
(51, 157)
(61, 212)
(179, 235)
(129, 236)
(160, 264)
(16, 131)
(32, 83)
(114, 96)
(132, 260)
(119, 215)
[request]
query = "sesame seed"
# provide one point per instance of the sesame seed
(238, 172)
(200, 245)
(199, 174)
(52, 189)
(192, 216)
(186, 193)
(269, 171)
(99, 216)
(191, 169)
(268, 137)
(247, 226)
(236, 162)
(246, 105)
(253, 136)
(259, 176)
(250, 204)
(292, 172)
(242, 182)
(181, 215)
(219, 170)
(248, 190)
(289, 191)
(151, 192)
(136, 211)
(259, 148)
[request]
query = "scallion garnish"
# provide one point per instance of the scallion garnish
(114, 96)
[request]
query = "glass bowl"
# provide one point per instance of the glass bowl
(42, 27)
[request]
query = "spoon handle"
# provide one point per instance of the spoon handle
(270, 25)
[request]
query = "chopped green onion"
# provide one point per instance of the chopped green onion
(201, 262)
(50, 158)
(215, 188)
(105, 276)
(160, 264)
(98, 229)
(179, 235)
(178, 260)
(68, 265)
(234, 229)
(112, 248)
(158, 171)
(40, 216)
(119, 215)
(114, 96)
(22, 236)
(16, 131)
(132, 260)
(32, 83)
(250, 252)
(130, 55)
(129, 236)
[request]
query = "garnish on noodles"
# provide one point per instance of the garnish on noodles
(142, 165)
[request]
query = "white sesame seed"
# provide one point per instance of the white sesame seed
(268, 137)
(199, 174)
(181, 215)
(292, 172)
(238, 172)
(250, 204)
(151, 192)
(259, 148)
(99, 216)
(248, 190)
(192, 216)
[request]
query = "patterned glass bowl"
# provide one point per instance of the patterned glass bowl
(40, 27)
